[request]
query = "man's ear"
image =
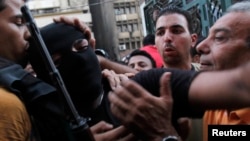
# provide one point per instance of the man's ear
(194, 38)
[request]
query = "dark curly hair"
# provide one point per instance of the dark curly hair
(172, 9)
(142, 53)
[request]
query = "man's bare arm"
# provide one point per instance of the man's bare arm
(221, 89)
(116, 67)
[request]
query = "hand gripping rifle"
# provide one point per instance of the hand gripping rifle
(78, 124)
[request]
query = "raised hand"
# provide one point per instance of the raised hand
(148, 116)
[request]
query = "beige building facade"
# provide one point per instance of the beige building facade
(127, 16)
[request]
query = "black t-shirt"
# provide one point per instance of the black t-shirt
(150, 80)
(180, 83)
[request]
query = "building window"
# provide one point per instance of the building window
(124, 28)
(122, 11)
(128, 46)
(138, 44)
(133, 9)
(119, 28)
(135, 26)
(117, 11)
(129, 27)
(127, 10)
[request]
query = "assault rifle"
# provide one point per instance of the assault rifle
(78, 124)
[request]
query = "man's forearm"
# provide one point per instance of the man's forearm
(111, 65)
(221, 90)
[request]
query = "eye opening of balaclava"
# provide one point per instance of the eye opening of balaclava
(80, 70)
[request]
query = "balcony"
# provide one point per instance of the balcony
(136, 34)
(43, 4)
(123, 35)
(126, 17)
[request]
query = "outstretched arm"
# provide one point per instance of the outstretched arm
(116, 67)
(148, 115)
(221, 89)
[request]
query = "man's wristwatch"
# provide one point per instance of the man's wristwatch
(170, 138)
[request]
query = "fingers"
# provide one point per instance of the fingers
(129, 90)
(166, 93)
(80, 25)
(113, 78)
(165, 88)
(86, 30)
(57, 19)
(135, 89)
(100, 127)
(64, 19)
(114, 135)
(130, 75)
(92, 43)
(74, 22)
(129, 137)
(83, 27)
(118, 106)
(123, 77)
(118, 132)
(123, 99)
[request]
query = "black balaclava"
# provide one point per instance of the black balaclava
(80, 70)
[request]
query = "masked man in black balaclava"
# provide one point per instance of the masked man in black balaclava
(76, 62)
